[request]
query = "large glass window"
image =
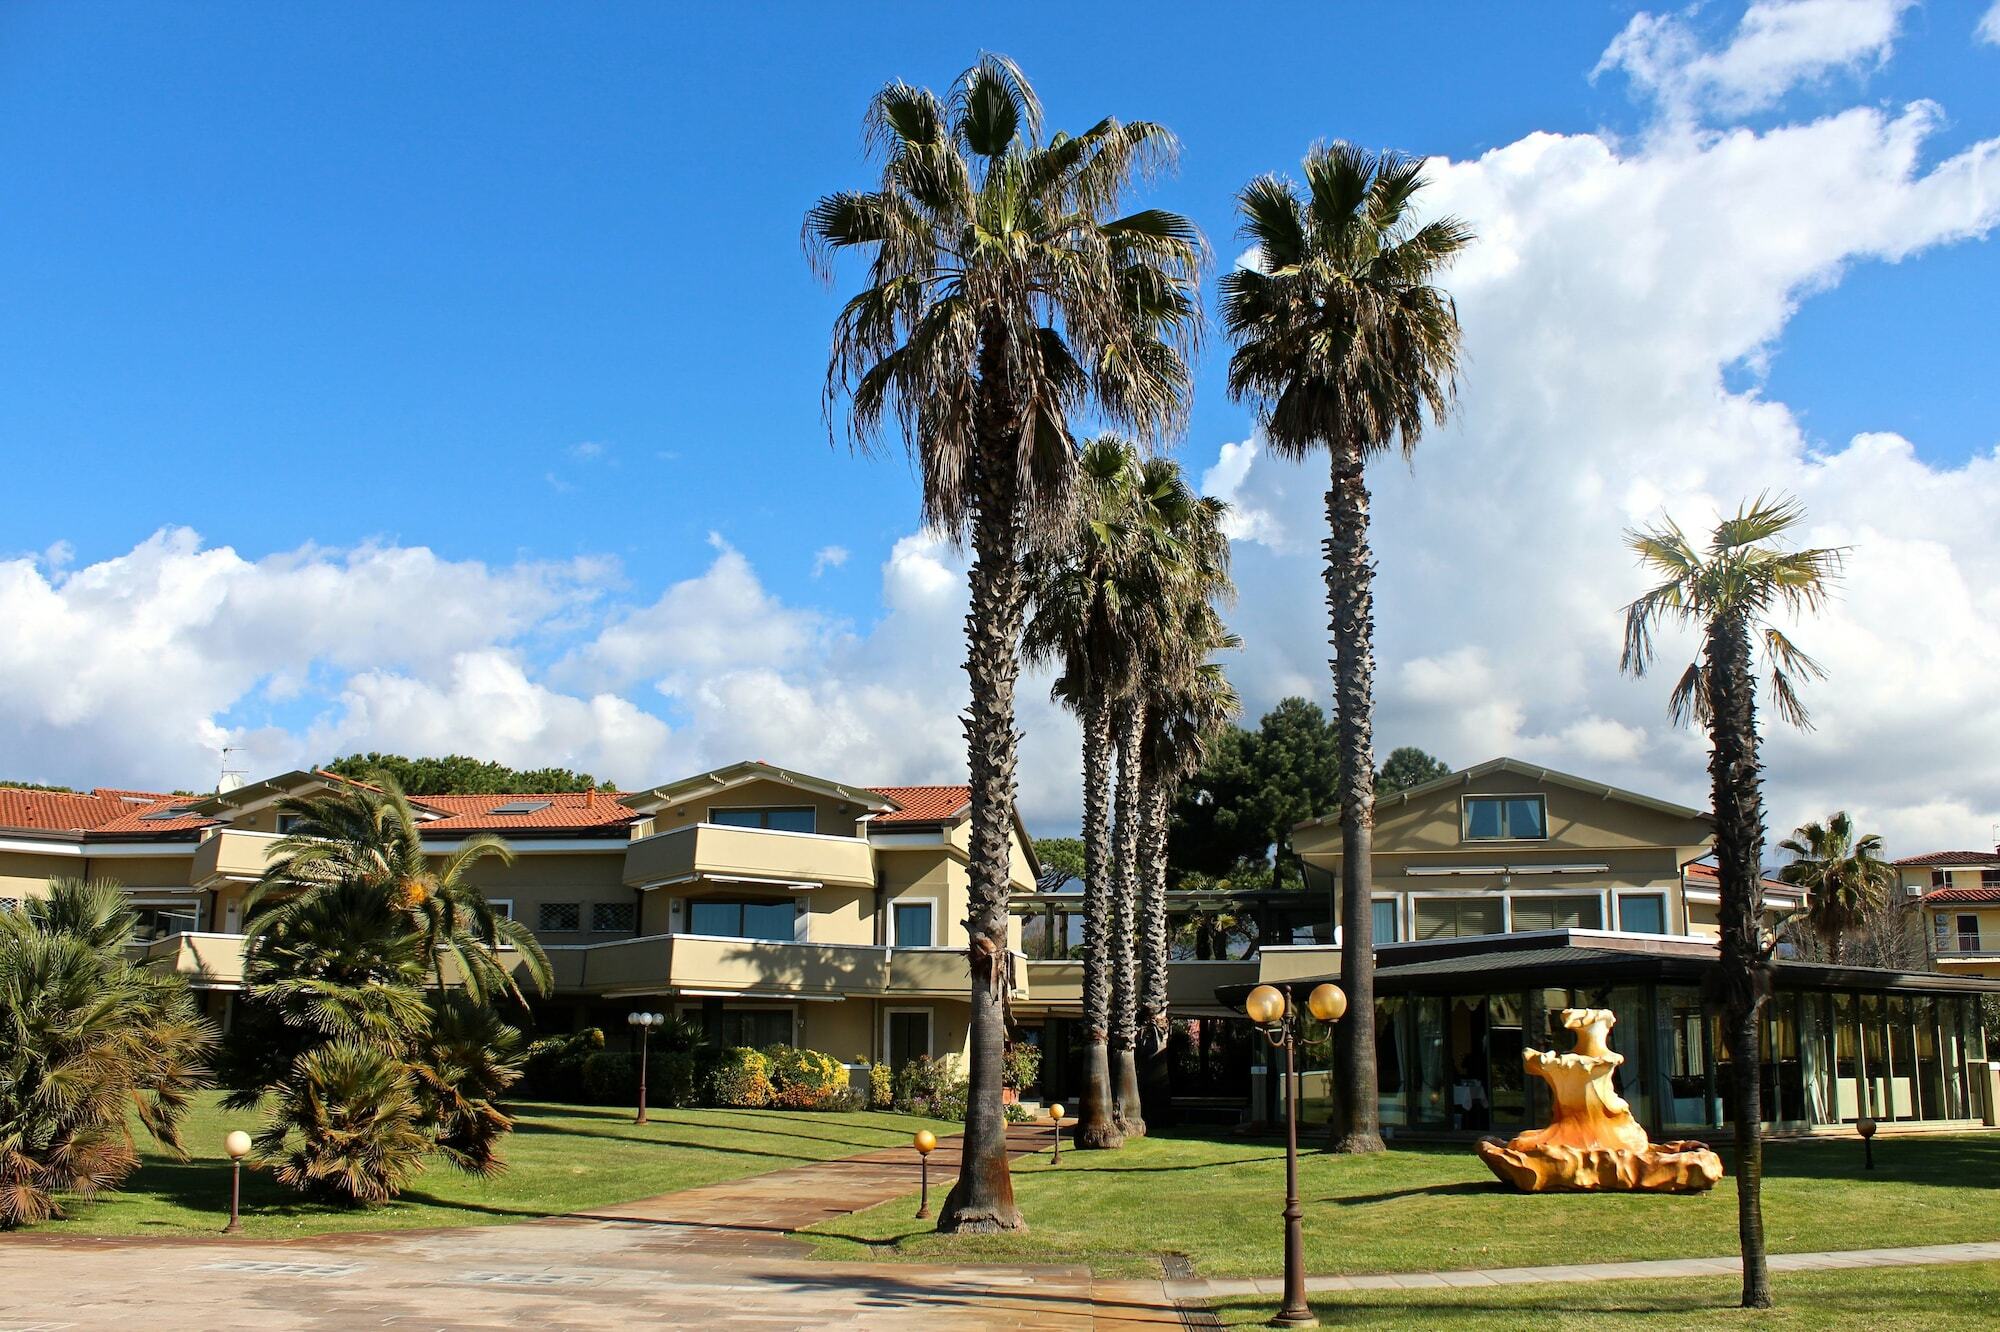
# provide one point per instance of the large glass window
(1849, 1089)
(1457, 917)
(778, 818)
(1642, 913)
(913, 924)
(741, 920)
(1391, 1079)
(1433, 1090)
(755, 1028)
(1784, 1084)
(1384, 922)
(1689, 1086)
(1579, 912)
(1930, 1073)
(1505, 818)
(163, 921)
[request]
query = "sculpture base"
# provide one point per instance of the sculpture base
(1663, 1167)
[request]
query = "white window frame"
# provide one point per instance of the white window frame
(937, 911)
(1666, 908)
(1465, 816)
(1415, 898)
(708, 817)
(504, 905)
(278, 822)
(930, 1029)
(1602, 895)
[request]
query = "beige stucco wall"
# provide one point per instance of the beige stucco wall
(831, 815)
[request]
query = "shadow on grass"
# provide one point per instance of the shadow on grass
(552, 1123)
(1420, 1191)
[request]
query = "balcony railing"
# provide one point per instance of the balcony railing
(752, 855)
(761, 967)
(209, 961)
(232, 856)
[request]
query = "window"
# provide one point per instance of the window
(778, 818)
(913, 924)
(10, 904)
(1577, 912)
(909, 1037)
(559, 917)
(163, 921)
(1457, 917)
(1940, 878)
(1643, 913)
(287, 822)
(1384, 921)
(1505, 818)
(742, 920)
(1989, 878)
(614, 917)
(1968, 933)
(755, 1028)
(521, 807)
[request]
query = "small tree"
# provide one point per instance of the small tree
(1845, 878)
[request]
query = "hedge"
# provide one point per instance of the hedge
(611, 1077)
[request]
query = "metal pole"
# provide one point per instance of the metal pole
(1057, 1126)
(645, 1030)
(924, 1201)
(235, 1197)
(1296, 1313)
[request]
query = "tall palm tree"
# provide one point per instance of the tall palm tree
(372, 835)
(1347, 345)
(1083, 597)
(1845, 878)
(1004, 293)
(1729, 591)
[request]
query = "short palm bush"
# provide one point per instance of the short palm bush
(87, 1041)
(346, 1125)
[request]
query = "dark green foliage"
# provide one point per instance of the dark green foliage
(1409, 767)
(1024, 1064)
(611, 1077)
(462, 1064)
(346, 1126)
(552, 1069)
(86, 1041)
(1254, 787)
(1061, 858)
(457, 774)
(932, 1087)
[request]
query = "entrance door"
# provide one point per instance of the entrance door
(909, 1036)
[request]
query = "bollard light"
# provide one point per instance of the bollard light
(925, 1142)
(1865, 1126)
(1055, 1123)
(237, 1144)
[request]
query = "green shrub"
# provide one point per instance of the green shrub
(806, 1079)
(927, 1086)
(1022, 1066)
(736, 1078)
(1016, 1113)
(553, 1067)
(881, 1087)
(611, 1077)
(346, 1126)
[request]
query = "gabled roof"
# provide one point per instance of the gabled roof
(588, 813)
(103, 810)
(1960, 896)
(717, 780)
(1701, 869)
(273, 788)
(922, 804)
(1532, 771)
(1947, 859)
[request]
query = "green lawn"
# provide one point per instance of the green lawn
(1887, 1299)
(1216, 1200)
(561, 1158)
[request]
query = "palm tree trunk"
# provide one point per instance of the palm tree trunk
(1095, 1126)
(1155, 1024)
(982, 1199)
(1124, 876)
(1350, 602)
(1744, 973)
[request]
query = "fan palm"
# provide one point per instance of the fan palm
(1729, 591)
(1845, 878)
(87, 1042)
(359, 834)
(1346, 345)
(1004, 293)
(347, 1127)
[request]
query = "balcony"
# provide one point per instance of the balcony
(209, 961)
(752, 855)
(232, 857)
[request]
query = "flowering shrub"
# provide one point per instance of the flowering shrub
(881, 1087)
(806, 1079)
(735, 1079)
(933, 1087)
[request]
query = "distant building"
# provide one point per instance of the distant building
(1958, 893)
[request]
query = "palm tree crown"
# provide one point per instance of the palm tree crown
(1844, 876)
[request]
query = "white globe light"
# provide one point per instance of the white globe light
(237, 1144)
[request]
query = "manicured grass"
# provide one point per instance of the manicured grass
(1216, 1200)
(1881, 1299)
(561, 1158)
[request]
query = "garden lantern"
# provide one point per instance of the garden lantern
(1055, 1123)
(1865, 1126)
(1271, 1009)
(237, 1144)
(645, 1022)
(925, 1142)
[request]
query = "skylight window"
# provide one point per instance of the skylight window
(521, 807)
(162, 815)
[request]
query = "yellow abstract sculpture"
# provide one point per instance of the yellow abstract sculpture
(1592, 1141)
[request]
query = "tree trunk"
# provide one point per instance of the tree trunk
(1131, 714)
(1155, 1023)
(1744, 974)
(982, 1199)
(1095, 1126)
(1350, 601)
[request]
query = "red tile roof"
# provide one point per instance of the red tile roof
(1960, 896)
(923, 804)
(102, 811)
(1700, 870)
(595, 813)
(1968, 859)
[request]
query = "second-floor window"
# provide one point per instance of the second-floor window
(777, 818)
(559, 917)
(1384, 920)
(1989, 878)
(287, 822)
(742, 920)
(614, 917)
(1968, 934)
(1940, 878)
(1457, 917)
(913, 924)
(1505, 818)
(1643, 913)
(1577, 912)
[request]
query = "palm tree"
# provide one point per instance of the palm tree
(1082, 597)
(1729, 591)
(372, 835)
(1845, 878)
(1004, 293)
(1346, 345)
(1130, 728)
(347, 1126)
(88, 1041)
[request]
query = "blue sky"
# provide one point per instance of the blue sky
(524, 285)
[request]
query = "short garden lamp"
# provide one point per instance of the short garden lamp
(925, 1142)
(1271, 1009)
(645, 1022)
(1055, 1122)
(237, 1144)
(1865, 1126)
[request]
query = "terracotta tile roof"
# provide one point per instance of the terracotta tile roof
(1960, 896)
(103, 811)
(923, 804)
(1710, 874)
(594, 813)
(1967, 859)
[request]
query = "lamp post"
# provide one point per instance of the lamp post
(925, 1142)
(1055, 1123)
(645, 1022)
(1272, 1011)
(1865, 1126)
(237, 1144)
